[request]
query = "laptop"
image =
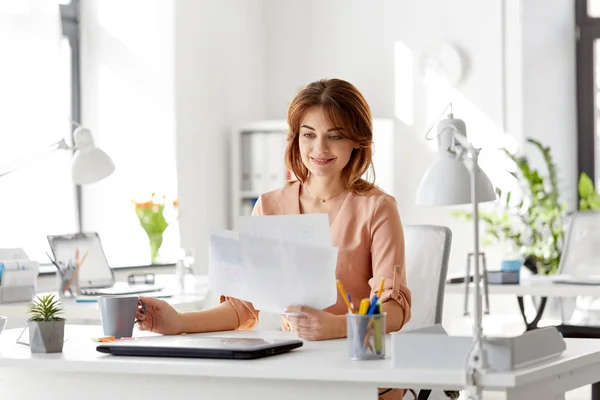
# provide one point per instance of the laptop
(199, 346)
(96, 278)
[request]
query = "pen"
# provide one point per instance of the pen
(373, 305)
(380, 288)
(351, 304)
(52, 261)
(364, 306)
(344, 295)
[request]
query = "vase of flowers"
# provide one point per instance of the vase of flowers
(151, 215)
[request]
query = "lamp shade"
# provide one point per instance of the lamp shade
(448, 182)
(90, 164)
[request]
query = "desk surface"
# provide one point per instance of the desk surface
(315, 361)
(532, 287)
(192, 299)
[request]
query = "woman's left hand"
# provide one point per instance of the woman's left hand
(316, 324)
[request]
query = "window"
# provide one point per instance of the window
(127, 54)
(127, 102)
(39, 198)
(588, 88)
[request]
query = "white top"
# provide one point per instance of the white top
(315, 361)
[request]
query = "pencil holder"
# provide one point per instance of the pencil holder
(68, 283)
(366, 336)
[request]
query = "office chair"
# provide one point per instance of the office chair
(581, 258)
(427, 250)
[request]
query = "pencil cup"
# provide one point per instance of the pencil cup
(366, 336)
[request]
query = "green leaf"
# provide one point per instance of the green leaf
(594, 202)
(45, 308)
(586, 186)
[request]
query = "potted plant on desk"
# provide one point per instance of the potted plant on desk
(46, 328)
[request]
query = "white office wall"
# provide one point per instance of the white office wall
(219, 82)
(519, 83)
(355, 40)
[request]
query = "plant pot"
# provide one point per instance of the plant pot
(46, 336)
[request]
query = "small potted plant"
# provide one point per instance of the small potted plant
(46, 328)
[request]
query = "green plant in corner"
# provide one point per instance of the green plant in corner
(45, 309)
(588, 198)
(533, 223)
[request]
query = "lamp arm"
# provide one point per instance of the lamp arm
(16, 165)
(476, 359)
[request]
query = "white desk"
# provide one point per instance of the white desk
(318, 370)
(88, 313)
(529, 287)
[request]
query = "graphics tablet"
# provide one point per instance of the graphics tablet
(198, 346)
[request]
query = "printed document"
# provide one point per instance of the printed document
(275, 262)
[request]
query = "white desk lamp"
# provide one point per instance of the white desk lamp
(90, 164)
(455, 178)
(448, 182)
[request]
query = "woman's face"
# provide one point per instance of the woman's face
(325, 152)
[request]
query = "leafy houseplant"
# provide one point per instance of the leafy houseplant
(46, 327)
(535, 223)
(588, 198)
(152, 220)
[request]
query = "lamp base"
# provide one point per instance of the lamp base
(502, 353)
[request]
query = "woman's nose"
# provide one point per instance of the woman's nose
(322, 145)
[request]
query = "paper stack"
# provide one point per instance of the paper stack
(275, 262)
(18, 276)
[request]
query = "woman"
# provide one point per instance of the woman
(329, 149)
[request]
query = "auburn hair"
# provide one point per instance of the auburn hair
(345, 107)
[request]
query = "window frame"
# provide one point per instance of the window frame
(588, 31)
(69, 15)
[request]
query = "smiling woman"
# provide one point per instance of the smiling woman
(329, 148)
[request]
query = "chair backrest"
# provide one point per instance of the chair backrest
(580, 257)
(427, 250)
(581, 251)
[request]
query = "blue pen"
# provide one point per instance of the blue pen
(350, 301)
(373, 305)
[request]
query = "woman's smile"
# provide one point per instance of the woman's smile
(322, 161)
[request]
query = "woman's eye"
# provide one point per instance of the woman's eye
(335, 137)
(308, 135)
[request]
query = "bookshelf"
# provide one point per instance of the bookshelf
(257, 161)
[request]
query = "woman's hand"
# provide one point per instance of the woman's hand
(316, 324)
(158, 316)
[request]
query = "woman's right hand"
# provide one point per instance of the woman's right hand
(158, 316)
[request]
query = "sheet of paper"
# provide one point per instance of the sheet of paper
(226, 273)
(13, 254)
(287, 273)
(302, 228)
(19, 278)
(275, 262)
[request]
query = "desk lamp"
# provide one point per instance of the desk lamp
(450, 182)
(455, 178)
(90, 164)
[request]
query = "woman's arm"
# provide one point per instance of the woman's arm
(230, 314)
(387, 258)
(219, 318)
